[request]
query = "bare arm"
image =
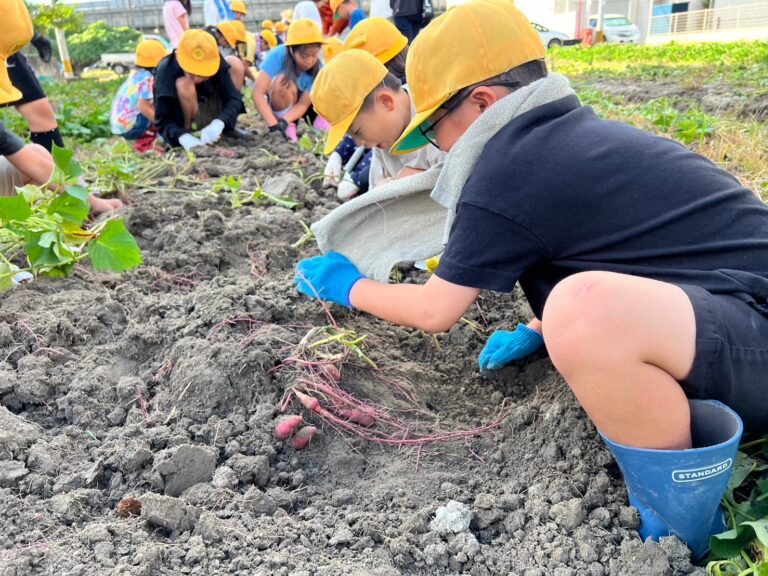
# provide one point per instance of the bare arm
(432, 307)
(299, 109)
(34, 162)
(260, 88)
(535, 324)
(184, 21)
(147, 109)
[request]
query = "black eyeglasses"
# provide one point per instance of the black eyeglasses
(454, 102)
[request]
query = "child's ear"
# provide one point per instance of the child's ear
(386, 99)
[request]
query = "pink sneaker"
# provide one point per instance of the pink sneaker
(291, 132)
(321, 124)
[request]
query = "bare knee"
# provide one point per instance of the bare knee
(283, 93)
(187, 93)
(578, 317)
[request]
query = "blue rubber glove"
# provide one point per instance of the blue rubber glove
(332, 277)
(504, 347)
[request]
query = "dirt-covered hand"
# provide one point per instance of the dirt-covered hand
(331, 277)
(504, 347)
(212, 132)
(188, 141)
(279, 128)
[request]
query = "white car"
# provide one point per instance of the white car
(550, 37)
(617, 29)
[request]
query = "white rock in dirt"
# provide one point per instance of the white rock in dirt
(452, 518)
(11, 471)
(16, 434)
(185, 466)
(285, 184)
(225, 478)
(569, 514)
(168, 512)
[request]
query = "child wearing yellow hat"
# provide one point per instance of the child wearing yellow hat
(193, 88)
(228, 35)
(360, 97)
(133, 112)
(380, 38)
(650, 284)
(246, 48)
(281, 92)
(239, 9)
(347, 10)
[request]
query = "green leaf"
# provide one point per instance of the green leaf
(115, 249)
(731, 543)
(14, 208)
(67, 169)
(761, 569)
(70, 207)
(77, 191)
(743, 468)
(6, 276)
(760, 528)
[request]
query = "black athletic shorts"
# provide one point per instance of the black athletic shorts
(24, 79)
(731, 363)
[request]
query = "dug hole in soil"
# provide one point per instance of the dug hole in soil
(137, 424)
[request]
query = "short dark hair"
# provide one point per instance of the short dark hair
(390, 82)
(514, 78)
(396, 65)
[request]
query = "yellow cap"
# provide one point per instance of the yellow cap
(287, 15)
(377, 36)
(267, 25)
(281, 27)
(149, 53)
(17, 32)
(466, 45)
(304, 31)
(335, 5)
(332, 48)
(269, 38)
(198, 53)
(227, 30)
(238, 6)
(340, 89)
(240, 30)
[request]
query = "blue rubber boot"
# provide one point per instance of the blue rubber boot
(678, 492)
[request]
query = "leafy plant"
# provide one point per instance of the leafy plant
(43, 226)
(690, 126)
(311, 142)
(45, 18)
(233, 185)
(118, 168)
(743, 549)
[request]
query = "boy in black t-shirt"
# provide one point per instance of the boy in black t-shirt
(646, 264)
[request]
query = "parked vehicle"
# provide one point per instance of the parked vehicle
(549, 37)
(618, 29)
(122, 62)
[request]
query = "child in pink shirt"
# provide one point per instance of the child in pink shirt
(176, 17)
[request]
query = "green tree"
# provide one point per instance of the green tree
(87, 47)
(64, 16)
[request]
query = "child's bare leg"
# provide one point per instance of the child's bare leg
(185, 88)
(622, 343)
(236, 72)
(39, 115)
(282, 95)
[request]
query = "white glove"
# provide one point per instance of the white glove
(332, 171)
(188, 142)
(212, 132)
(346, 190)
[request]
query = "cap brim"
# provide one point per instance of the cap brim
(412, 139)
(337, 131)
(206, 69)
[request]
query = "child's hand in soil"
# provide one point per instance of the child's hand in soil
(504, 347)
(330, 277)
(101, 205)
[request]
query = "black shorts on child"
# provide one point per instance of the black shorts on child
(731, 363)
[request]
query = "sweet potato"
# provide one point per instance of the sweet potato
(287, 426)
(359, 417)
(303, 437)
